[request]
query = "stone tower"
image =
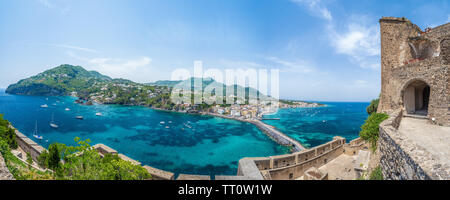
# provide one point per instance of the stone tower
(415, 69)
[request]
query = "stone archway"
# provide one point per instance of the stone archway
(416, 97)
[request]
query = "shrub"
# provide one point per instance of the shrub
(7, 134)
(376, 174)
(370, 129)
(53, 157)
(29, 160)
(43, 159)
(372, 108)
(82, 162)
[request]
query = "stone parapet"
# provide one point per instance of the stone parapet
(4, 172)
(28, 145)
(402, 159)
(293, 166)
(188, 177)
(158, 174)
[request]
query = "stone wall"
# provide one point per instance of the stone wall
(408, 55)
(293, 166)
(4, 172)
(29, 145)
(401, 159)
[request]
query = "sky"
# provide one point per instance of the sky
(326, 50)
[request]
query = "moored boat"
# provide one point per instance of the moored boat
(52, 123)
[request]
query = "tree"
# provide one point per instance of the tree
(82, 162)
(53, 157)
(372, 108)
(29, 160)
(43, 159)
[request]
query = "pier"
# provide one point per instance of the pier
(271, 131)
(269, 119)
(278, 136)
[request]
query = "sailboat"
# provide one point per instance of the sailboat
(36, 134)
(52, 123)
(79, 116)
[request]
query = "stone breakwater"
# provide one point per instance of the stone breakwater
(271, 131)
(4, 172)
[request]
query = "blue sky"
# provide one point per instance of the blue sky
(325, 49)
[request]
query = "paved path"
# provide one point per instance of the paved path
(340, 168)
(435, 139)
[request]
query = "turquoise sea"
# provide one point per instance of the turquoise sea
(191, 144)
(315, 126)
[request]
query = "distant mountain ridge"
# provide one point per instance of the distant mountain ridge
(61, 80)
(65, 79)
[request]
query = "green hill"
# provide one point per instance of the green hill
(61, 80)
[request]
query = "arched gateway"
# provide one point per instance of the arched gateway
(416, 97)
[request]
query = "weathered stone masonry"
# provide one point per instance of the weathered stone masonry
(410, 56)
(415, 82)
(401, 159)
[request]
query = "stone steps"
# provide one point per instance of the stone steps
(416, 116)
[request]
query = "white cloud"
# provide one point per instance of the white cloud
(299, 66)
(360, 41)
(239, 64)
(135, 69)
(63, 9)
(316, 7)
(360, 83)
(46, 3)
(73, 47)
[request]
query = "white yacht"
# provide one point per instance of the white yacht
(52, 123)
(44, 106)
(98, 114)
(35, 134)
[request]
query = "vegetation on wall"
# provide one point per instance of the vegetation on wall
(370, 129)
(372, 108)
(7, 134)
(82, 162)
(376, 174)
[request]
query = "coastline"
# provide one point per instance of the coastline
(271, 131)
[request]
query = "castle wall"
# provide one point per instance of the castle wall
(293, 166)
(403, 160)
(28, 145)
(408, 54)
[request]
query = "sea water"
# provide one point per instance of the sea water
(185, 143)
(316, 126)
(176, 142)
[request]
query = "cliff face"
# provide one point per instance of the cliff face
(4, 172)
